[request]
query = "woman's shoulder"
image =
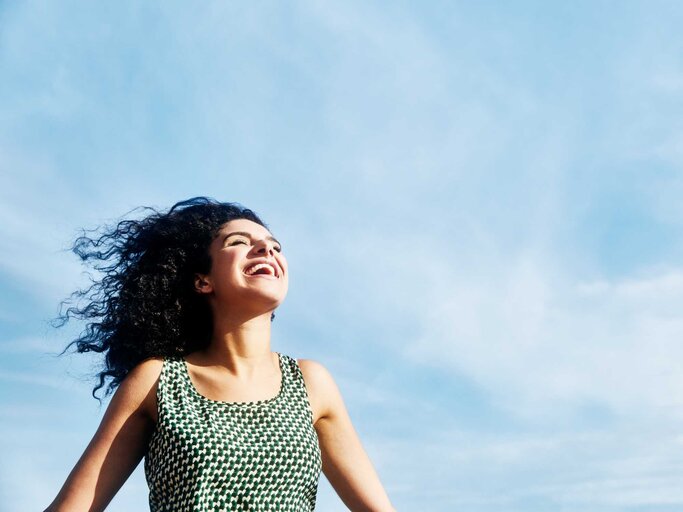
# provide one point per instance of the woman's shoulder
(141, 384)
(315, 370)
(146, 371)
(319, 385)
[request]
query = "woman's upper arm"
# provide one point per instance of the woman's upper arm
(118, 445)
(345, 463)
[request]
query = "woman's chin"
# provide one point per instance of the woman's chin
(265, 300)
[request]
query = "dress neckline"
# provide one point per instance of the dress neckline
(257, 403)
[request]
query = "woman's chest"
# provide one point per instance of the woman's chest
(227, 452)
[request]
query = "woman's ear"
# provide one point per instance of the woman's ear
(202, 284)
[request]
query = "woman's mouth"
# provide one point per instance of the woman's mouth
(262, 269)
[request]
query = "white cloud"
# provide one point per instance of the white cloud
(582, 470)
(31, 378)
(542, 343)
(29, 344)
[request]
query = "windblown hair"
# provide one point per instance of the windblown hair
(145, 305)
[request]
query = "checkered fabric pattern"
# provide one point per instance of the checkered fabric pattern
(208, 455)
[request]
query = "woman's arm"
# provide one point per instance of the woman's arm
(117, 447)
(345, 463)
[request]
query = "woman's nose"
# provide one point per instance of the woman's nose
(265, 246)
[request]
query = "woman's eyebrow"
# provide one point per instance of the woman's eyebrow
(248, 235)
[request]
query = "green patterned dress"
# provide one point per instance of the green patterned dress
(208, 455)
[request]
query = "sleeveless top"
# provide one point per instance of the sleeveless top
(209, 455)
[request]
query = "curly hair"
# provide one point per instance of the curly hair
(145, 304)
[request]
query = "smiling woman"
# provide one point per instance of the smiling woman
(183, 316)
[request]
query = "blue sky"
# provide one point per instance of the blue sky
(479, 203)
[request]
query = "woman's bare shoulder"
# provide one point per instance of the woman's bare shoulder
(145, 374)
(312, 368)
(319, 383)
(140, 385)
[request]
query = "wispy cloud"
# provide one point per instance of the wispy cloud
(37, 380)
(540, 343)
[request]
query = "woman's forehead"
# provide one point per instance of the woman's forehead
(244, 225)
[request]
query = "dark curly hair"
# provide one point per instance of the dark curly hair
(145, 304)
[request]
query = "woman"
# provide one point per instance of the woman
(223, 422)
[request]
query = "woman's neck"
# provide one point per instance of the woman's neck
(241, 346)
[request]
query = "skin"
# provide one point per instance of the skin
(238, 366)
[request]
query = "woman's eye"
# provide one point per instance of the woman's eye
(277, 247)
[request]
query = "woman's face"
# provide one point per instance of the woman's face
(239, 246)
